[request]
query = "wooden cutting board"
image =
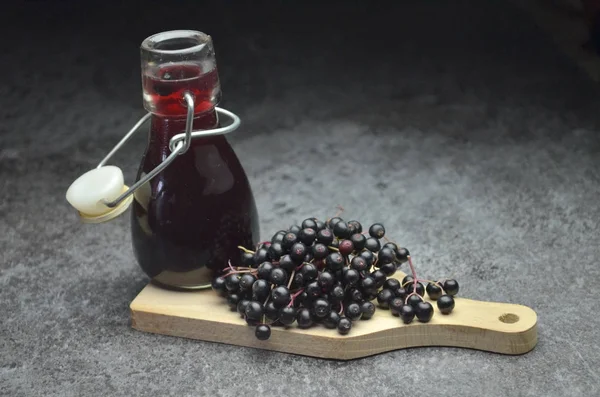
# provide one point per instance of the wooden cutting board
(489, 326)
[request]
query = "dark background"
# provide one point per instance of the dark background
(457, 123)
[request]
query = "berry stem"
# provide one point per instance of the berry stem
(333, 249)
(246, 250)
(414, 274)
(411, 294)
(251, 271)
(433, 282)
(267, 300)
(291, 278)
(294, 295)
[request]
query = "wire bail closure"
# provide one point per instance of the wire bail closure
(178, 145)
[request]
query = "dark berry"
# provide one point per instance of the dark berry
(278, 276)
(424, 312)
(218, 284)
(241, 306)
(377, 231)
(307, 236)
(337, 294)
(280, 296)
(359, 241)
(288, 240)
(254, 311)
(420, 289)
(389, 269)
(386, 255)
(359, 263)
(370, 294)
(309, 224)
(276, 251)
(251, 321)
(368, 257)
(309, 271)
(325, 236)
(433, 291)
(391, 284)
(309, 256)
(294, 229)
(331, 320)
(246, 282)
(332, 222)
(278, 237)
(372, 244)
(368, 283)
(326, 281)
(298, 252)
(341, 230)
(248, 259)
(232, 282)
(384, 297)
(313, 289)
(379, 278)
(298, 280)
(321, 308)
(335, 261)
(304, 318)
(406, 281)
(264, 270)
(356, 226)
(346, 247)
(367, 309)
(401, 293)
(451, 287)
(395, 304)
(414, 300)
(287, 316)
(320, 225)
(261, 255)
(260, 290)
(271, 311)
(320, 251)
(445, 303)
(355, 295)
(407, 313)
(352, 311)
(350, 277)
(402, 255)
(232, 301)
(344, 326)
(287, 264)
(391, 246)
(263, 332)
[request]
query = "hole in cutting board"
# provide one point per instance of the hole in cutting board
(509, 318)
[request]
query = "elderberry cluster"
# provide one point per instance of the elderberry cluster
(328, 273)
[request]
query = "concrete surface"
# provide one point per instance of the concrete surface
(458, 124)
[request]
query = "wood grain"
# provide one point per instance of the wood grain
(495, 327)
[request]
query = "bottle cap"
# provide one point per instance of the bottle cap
(90, 193)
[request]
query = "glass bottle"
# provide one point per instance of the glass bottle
(188, 221)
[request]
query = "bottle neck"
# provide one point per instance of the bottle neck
(168, 126)
(162, 129)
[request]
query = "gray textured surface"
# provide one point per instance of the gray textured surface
(459, 126)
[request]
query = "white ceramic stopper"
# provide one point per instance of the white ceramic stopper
(88, 192)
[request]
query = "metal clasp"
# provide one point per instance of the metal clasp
(178, 144)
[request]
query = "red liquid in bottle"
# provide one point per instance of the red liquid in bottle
(188, 221)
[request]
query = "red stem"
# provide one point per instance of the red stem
(414, 274)
(294, 296)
